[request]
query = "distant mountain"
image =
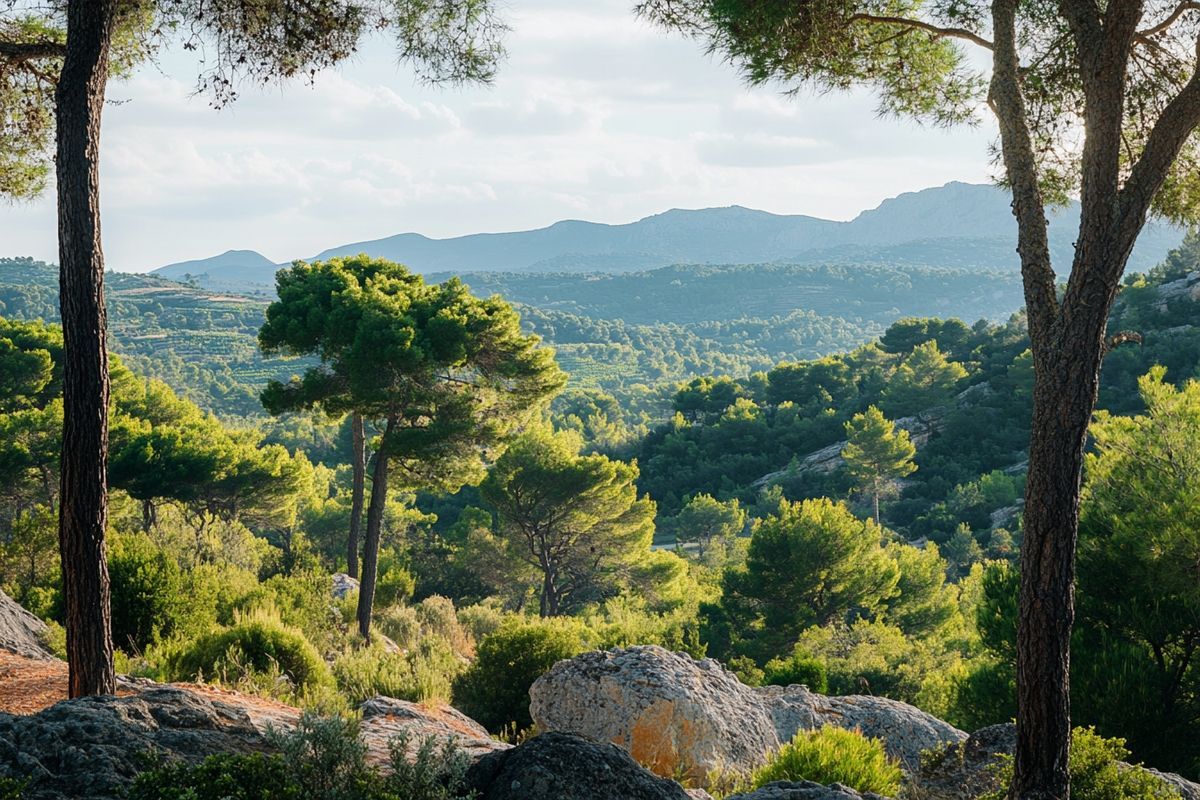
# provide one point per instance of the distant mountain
(233, 269)
(956, 225)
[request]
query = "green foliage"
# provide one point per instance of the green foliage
(421, 673)
(221, 776)
(494, 690)
(11, 788)
(575, 520)
(323, 758)
(833, 755)
(813, 563)
(876, 454)
(254, 645)
(712, 525)
(924, 379)
(798, 668)
(1097, 772)
(148, 594)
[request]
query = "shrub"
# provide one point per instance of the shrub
(322, 759)
(255, 644)
(798, 668)
(223, 776)
(422, 673)
(438, 618)
(481, 619)
(400, 624)
(11, 788)
(833, 755)
(1096, 772)
(395, 585)
(746, 670)
(148, 597)
(495, 688)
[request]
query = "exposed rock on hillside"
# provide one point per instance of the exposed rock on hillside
(679, 715)
(804, 790)
(556, 766)
(91, 747)
(20, 631)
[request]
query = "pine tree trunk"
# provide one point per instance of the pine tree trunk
(83, 498)
(359, 466)
(379, 489)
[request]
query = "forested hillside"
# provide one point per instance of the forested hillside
(832, 501)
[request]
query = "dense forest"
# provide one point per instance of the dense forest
(810, 498)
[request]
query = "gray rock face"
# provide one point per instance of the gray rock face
(20, 631)
(679, 715)
(804, 790)
(92, 747)
(556, 766)
(343, 585)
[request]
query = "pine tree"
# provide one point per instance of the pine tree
(877, 454)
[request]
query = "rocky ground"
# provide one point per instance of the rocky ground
(616, 724)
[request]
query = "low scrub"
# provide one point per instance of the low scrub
(833, 755)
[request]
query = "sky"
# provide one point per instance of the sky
(594, 115)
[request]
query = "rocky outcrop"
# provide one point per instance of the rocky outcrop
(343, 585)
(21, 632)
(384, 718)
(678, 715)
(964, 771)
(804, 790)
(557, 766)
(93, 747)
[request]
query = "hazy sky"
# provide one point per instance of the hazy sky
(593, 116)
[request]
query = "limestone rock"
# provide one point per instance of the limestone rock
(343, 585)
(384, 718)
(676, 714)
(557, 766)
(20, 631)
(804, 790)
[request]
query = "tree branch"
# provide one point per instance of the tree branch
(1115, 340)
(1020, 164)
(936, 30)
(20, 52)
(1171, 19)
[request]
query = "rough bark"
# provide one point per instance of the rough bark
(359, 466)
(83, 499)
(370, 561)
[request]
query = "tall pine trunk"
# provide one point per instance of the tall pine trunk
(379, 490)
(359, 466)
(83, 499)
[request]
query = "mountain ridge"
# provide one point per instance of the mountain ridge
(954, 225)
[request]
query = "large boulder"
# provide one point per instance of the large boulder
(804, 790)
(21, 632)
(678, 715)
(385, 718)
(557, 766)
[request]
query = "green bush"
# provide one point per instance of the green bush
(1096, 772)
(424, 672)
(481, 619)
(439, 619)
(799, 668)
(258, 644)
(223, 776)
(400, 624)
(322, 759)
(833, 755)
(147, 589)
(495, 688)
(395, 585)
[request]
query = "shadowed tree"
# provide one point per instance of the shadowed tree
(1093, 99)
(55, 61)
(447, 378)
